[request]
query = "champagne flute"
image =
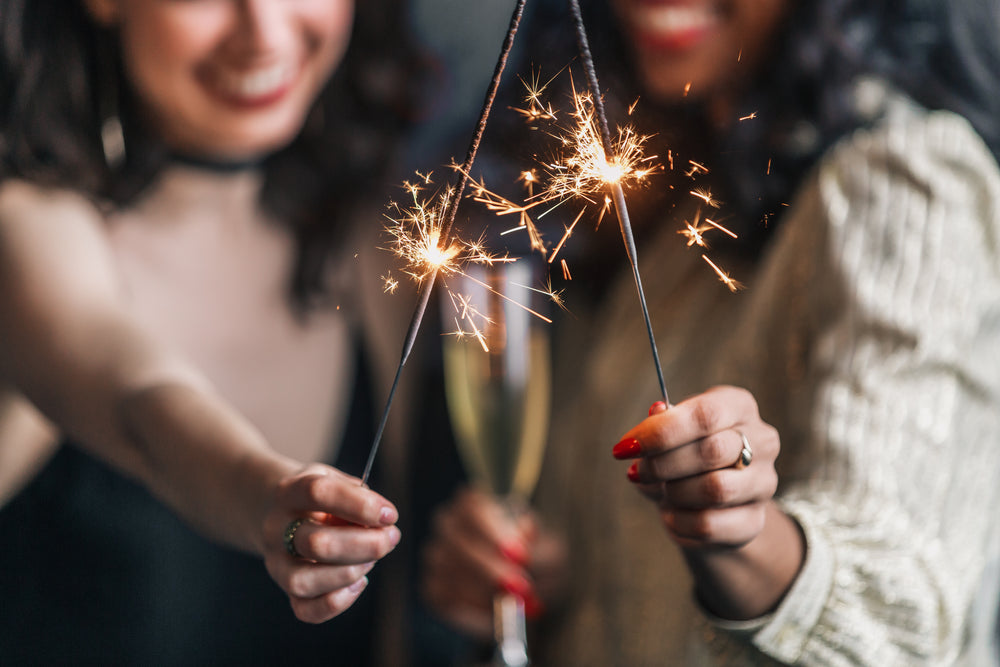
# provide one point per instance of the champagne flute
(498, 401)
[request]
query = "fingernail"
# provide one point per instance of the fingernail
(394, 535)
(516, 585)
(657, 407)
(515, 552)
(633, 472)
(388, 516)
(627, 449)
(358, 585)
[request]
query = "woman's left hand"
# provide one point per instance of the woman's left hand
(709, 464)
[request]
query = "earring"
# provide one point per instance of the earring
(112, 135)
(113, 141)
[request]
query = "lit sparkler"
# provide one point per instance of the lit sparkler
(615, 186)
(444, 230)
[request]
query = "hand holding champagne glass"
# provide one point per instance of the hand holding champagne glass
(498, 390)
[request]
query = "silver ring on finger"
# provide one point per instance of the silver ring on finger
(290, 529)
(746, 452)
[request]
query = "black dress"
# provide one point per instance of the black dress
(95, 571)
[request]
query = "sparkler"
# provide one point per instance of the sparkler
(444, 230)
(615, 186)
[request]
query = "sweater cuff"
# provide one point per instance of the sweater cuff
(784, 632)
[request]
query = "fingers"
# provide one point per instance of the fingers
(709, 464)
(330, 572)
(715, 410)
(719, 451)
(343, 544)
(325, 607)
(322, 536)
(730, 528)
(476, 550)
(325, 489)
(305, 580)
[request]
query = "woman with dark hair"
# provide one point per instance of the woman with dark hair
(180, 326)
(853, 147)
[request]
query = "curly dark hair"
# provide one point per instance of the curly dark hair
(60, 72)
(945, 55)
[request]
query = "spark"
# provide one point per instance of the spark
(696, 169)
(749, 116)
(501, 206)
(534, 109)
(565, 270)
(706, 196)
(566, 235)
(529, 179)
(389, 284)
(733, 285)
(722, 229)
(584, 169)
(687, 88)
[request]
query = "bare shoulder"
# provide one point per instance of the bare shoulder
(23, 203)
(52, 234)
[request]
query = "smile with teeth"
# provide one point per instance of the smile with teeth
(254, 84)
(672, 21)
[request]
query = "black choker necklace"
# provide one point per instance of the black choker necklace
(215, 165)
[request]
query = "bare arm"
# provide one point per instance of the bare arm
(69, 344)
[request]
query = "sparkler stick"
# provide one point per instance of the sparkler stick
(617, 193)
(449, 218)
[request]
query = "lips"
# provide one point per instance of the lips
(252, 88)
(672, 26)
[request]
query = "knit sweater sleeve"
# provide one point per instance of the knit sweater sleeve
(896, 467)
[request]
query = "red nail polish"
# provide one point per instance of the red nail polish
(533, 607)
(659, 406)
(515, 552)
(627, 449)
(516, 585)
(633, 472)
(332, 520)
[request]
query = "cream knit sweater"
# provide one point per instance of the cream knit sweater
(870, 335)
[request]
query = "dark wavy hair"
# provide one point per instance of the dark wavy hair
(945, 55)
(61, 78)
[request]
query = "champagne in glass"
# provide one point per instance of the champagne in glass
(498, 400)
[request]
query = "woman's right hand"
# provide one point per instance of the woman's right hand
(478, 549)
(342, 529)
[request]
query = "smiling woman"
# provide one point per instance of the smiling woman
(825, 492)
(178, 188)
(232, 80)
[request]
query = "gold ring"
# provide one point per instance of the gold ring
(746, 453)
(290, 536)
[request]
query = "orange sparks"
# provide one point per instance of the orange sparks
(750, 116)
(389, 284)
(733, 285)
(529, 179)
(415, 233)
(696, 168)
(565, 237)
(706, 196)
(687, 88)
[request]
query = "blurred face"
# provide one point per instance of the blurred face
(702, 44)
(228, 79)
